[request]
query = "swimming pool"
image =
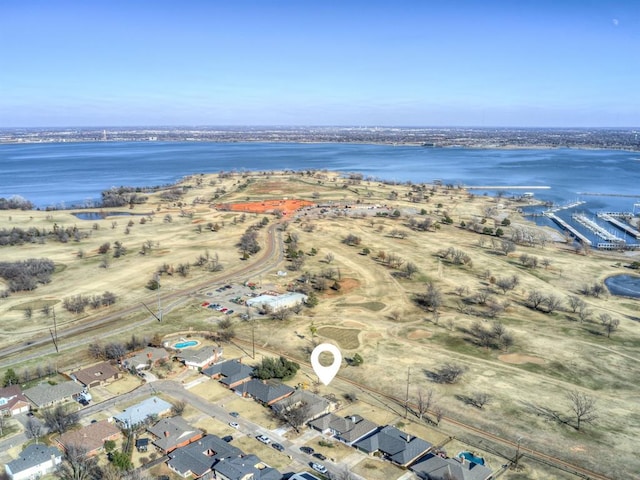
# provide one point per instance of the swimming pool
(471, 458)
(187, 344)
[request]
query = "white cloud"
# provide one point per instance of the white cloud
(615, 22)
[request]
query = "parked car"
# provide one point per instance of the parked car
(318, 467)
(278, 447)
(227, 438)
(234, 414)
(229, 312)
(234, 425)
(319, 456)
(264, 439)
(307, 450)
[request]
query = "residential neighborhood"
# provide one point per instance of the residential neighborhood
(185, 426)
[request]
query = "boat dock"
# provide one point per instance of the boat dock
(596, 229)
(621, 225)
(567, 227)
(567, 206)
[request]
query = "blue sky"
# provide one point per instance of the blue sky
(320, 62)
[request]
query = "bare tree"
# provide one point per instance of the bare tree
(584, 313)
(329, 257)
(535, 299)
(583, 407)
(553, 302)
(449, 373)
(479, 399)
(575, 302)
(78, 465)
(33, 429)
(425, 398)
(58, 419)
(610, 324)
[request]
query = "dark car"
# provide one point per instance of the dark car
(319, 456)
(307, 450)
(278, 447)
(228, 438)
(234, 414)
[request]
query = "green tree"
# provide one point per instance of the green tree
(10, 378)
(357, 360)
(272, 367)
(121, 461)
(109, 445)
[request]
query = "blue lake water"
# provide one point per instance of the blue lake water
(67, 174)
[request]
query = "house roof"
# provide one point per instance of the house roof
(44, 394)
(171, 432)
(315, 404)
(265, 392)
(239, 467)
(32, 456)
(345, 427)
(141, 359)
(399, 446)
(232, 371)
(100, 372)
(11, 395)
(201, 355)
(198, 457)
(435, 467)
(91, 437)
(141, 411)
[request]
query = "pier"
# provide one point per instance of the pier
(621, 225)
(596, 229)
(567, 206)
(567, 227)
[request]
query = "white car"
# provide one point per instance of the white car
(264, 439)
(318, 467)
(234, 425)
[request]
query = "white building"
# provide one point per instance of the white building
(279, 302)
(35, 461)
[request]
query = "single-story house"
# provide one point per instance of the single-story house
(145, 359)
(91, 437)
(345, 429)
(198, 458)
(172, 433)
(266, 393)
(96, 375)
(435, 467)
(37, 460)
(395, 445)
(230, 373)
(45, 395)
(315, 405)
(279, 302)
(200, 358)
(141, 412)
(244, 468)
(12, 401)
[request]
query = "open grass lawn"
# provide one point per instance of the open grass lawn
(375, 469)
(374, 312)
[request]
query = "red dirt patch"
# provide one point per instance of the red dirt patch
(286, 206)
(418, 334)
(346, 286)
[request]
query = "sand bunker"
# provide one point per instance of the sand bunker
(519, 358)
(419, 334)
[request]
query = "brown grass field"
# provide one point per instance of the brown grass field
(373, 310)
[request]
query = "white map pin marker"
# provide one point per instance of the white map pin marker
(326, 374)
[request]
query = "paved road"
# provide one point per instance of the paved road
(271, 256)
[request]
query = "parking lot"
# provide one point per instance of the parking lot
(229, 299)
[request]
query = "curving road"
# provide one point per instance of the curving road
(270, 256)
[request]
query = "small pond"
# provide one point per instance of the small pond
(99, 215)
(624, 285)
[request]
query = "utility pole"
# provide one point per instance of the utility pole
(406, 400)
(54, 332)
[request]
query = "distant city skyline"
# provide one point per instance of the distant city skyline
(567, 63)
